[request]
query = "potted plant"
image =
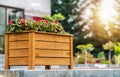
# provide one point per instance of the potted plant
(41, 41)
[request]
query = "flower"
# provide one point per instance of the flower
(46, 21)
(10, 22)
(37, 24)
(37, 18)
(56, 21)
(40, 19)
(22, 21)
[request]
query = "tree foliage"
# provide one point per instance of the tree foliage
(82, 20)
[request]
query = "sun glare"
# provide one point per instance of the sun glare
(107, 11)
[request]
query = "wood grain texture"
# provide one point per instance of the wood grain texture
(53, 38)
(51, 53)
(31, 50)
(18, 37)
(52, 61)
(6, 51)
(18, 53)
(52, 45)
(18, 61)
(71, 53)
(18, 44)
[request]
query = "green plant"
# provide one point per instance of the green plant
(85, 48)
(17, 25)
(45, 24)
(105, 62)
(101, 55)
(79, 58)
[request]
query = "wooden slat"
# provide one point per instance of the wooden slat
(17, 37)
(51, 53)
(6, 52)
(18, 44)
(55, 38)
(62, 39)
(31, 50)
(52, 61)
(18, 61)
(18, 53)
(52, 45)
(71, 53)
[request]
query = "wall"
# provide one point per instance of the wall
(32, 7)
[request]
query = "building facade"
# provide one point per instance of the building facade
(12, 9)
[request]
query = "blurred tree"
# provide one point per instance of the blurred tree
(90, 21)
(94, 23)
(64, 7)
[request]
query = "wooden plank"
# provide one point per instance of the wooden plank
(18, 61)
(31, 50)
(18, 53)
(62, 39)
(18, 44)
(52, 45)
(55, 38)
(71, 53)
(6, 52)
(51, 53)
(52, 61)
(17, 37)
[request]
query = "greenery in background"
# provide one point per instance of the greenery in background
(105, 62)
(88, 30)
(79, 58)
(47, 24)
(85, 56)
(101, 55)
(65, 7)
(117, 52)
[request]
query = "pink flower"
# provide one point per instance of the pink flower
(22, 21)
(55, 21)
(46, 21)
(10, 22)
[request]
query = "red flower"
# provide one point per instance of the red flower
(40, 18)
(46, 21)
(55, 21)
(10, 22)
(22, 21)
(35, 18)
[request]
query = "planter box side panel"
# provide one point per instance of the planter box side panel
(18, 49)
(52, 49)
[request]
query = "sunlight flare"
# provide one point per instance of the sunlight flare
(107, 11)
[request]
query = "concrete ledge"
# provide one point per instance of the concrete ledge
(61, 73)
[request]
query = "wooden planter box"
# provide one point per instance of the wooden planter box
(35, 48)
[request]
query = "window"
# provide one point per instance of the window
(6, 14)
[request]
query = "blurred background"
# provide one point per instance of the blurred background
(95, 25)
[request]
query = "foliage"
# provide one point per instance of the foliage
(85, 47)
(117, 48)
(58, 17)
(38, 24)
(79, 58)
(87, 28)
(65, 7)
(108, 46)
(101, 55)
(16, 26)
(105, 62)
